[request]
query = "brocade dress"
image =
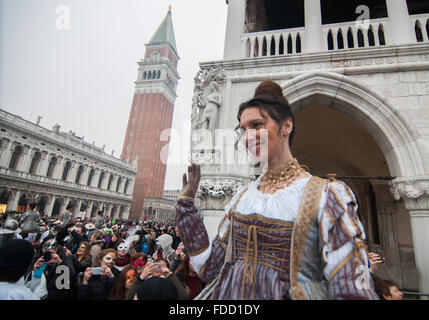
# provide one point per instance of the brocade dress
(329, 261)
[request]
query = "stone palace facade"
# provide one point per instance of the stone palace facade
(360, 92)
(55, 168)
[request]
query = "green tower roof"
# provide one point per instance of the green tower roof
(165, 33)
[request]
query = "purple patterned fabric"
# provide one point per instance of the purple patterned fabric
(191, 228)
(351, 279)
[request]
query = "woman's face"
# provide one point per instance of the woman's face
(262, 137)
(114, 238)
(109, 259)
(81, 250)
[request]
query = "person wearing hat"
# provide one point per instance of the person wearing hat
(13, 225)
(15, 258)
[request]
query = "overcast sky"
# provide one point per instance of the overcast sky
(83, 78)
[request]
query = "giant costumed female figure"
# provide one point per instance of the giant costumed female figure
(287, 235)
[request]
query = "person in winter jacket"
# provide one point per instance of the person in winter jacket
(58, 269)
(96, 245)
(163, 248)
(98, 286)
(82, 258)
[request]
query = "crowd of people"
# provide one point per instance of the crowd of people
(287, 235)
(104, 259)
(69, 258)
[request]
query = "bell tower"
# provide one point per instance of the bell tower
(151, 113)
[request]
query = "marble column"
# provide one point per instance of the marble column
(234, 29)
(13, 200)
(25, 161)
(58, 170)
(401, 29)
(64, 205)
(72, 172)
(42, 168)
(313, 41)
(6, 153)
(76, 210)
(415, 194)
(50, 205)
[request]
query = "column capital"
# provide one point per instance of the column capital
(414, 191)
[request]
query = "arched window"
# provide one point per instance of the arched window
(340, 39)
(144, 75)
(118, 184)
(371, 39)
(35, 162)
(418, 29)
(90, 176)
(330, 41)
(16, 156)
(100, 180)
(66, 170)
(110, 182)
(149, 75)
(289, 45)
(350, 39)
(281, 45)
(361, 40)
(381, 37)
(158, 75)
(256, 50)
(264, 47)
(273, 46)
(248, 48)
(298, 43)
(51, 167)
(79, 174)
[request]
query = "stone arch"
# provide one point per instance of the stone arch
(400, 143)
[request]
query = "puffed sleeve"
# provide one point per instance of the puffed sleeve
(344, 251)
(207, 258)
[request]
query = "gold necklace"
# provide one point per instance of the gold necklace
(280, 177)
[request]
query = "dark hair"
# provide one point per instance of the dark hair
(100, 213)
(9, 275)
(98, 235)
(269, 98)
(69, 206)
(32, 205)
(183, 273)
(82, 228)
(382, 287)
(119, 290)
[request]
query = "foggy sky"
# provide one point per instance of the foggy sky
(83, 78)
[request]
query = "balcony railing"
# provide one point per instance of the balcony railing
(420, 23)
(373, 33)
(338, 36)
(272, 43)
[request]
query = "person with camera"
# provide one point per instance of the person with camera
(157, 269)
(179, 255)
(54, 267)
(98, 281)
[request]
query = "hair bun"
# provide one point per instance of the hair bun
(269, 87)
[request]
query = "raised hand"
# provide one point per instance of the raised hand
(191, 182)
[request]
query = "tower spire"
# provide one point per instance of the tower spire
(165, 33)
